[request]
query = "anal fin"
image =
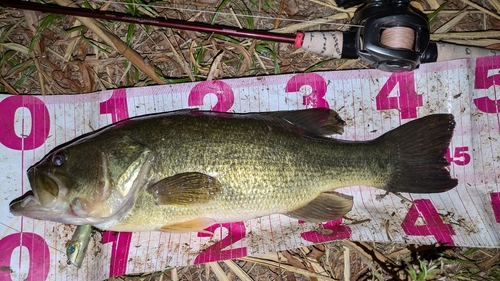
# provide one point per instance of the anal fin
(326, 207)
(196, 225)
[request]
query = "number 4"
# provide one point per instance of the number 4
(434, 225)
(495, 204)
(407, 100)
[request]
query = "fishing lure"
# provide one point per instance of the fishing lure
(78, 244)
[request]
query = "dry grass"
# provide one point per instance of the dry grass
(345, 260)
(53, 54)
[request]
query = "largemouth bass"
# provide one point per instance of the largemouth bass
(186, 170)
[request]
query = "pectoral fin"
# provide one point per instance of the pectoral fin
(185, 189)
(197, 225)
(326, 207)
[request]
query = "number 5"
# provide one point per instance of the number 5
(483, 81)
(460, 157)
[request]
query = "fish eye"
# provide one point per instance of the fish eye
(71, 249)
(59, 158)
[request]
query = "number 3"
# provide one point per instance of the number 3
(318, 89)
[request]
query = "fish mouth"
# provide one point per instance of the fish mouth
(45, 201)
(27, 201)
(28, 205)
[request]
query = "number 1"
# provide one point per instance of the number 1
(120, 244)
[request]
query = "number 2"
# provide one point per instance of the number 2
(223, 92)
(215, 252)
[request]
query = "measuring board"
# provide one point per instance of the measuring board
(370, 101)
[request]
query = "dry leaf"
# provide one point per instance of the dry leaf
(317, 251)
(247, 58)
(494, 46)
(87, 76)
(66, 83)
(291, 7)
(485, 265)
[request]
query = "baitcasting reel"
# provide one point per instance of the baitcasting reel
(393, 36)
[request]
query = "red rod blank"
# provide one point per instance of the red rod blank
(177, 24)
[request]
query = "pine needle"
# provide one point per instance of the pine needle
(219, 272)
(286, 267)
(238, 271)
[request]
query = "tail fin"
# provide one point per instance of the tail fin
(418, 148)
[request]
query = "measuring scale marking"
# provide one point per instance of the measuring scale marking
(370, 101)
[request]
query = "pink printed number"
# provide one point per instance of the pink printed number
(318, 89)
(332, 230)
(40, 123)
(39, 255)
(495, 204)
(483, 81)
(120, 244)
(406, 101)
(460, 157)
(116, 105)
(215, 252)
(223, 92)
(433, 224)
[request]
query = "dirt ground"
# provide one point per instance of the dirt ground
(48, 54)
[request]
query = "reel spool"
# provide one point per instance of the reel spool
(393, 37)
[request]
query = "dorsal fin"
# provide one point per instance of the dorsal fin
(316, 121)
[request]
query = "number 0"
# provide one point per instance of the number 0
(39, 255)
(40, 122)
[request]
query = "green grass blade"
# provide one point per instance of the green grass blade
(130, 34)
(48, 21)
(219, 9)
(225, 38)
(94, 45)
(76, 28)
(318, 65)
(6, 60)
(432, 17)
(30, 69)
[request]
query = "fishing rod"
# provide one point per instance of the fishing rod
(389, 34)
